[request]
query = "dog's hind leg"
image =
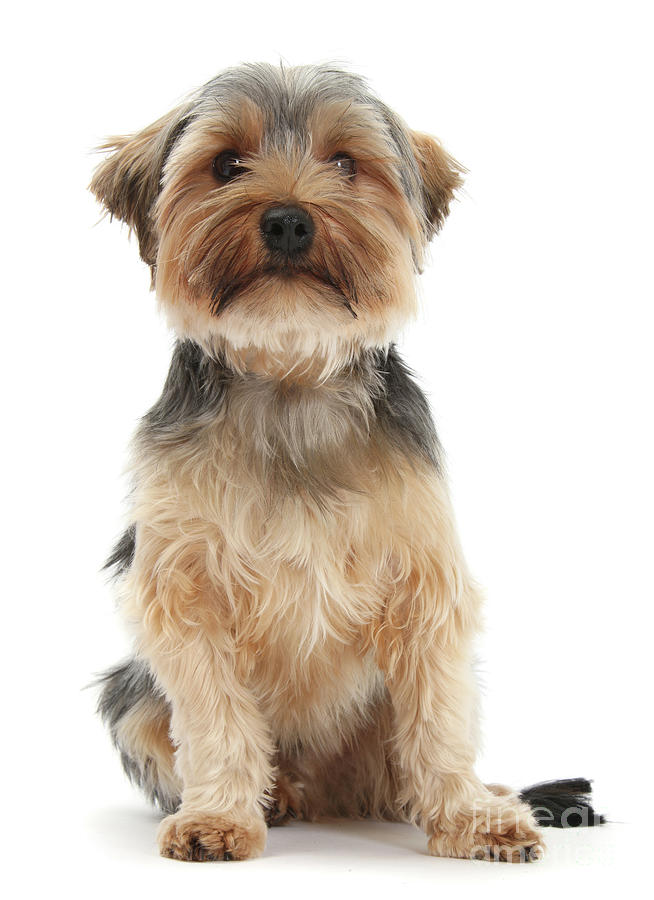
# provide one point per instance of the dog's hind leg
(138, 717)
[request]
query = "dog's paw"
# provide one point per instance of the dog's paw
(201, 837)
(286, 801)
(498, 829)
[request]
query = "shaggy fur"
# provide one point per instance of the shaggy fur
(304, 613)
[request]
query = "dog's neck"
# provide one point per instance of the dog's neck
(325, 432)
(295, 426)
(290, 368)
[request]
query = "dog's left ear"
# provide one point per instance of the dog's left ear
(441, 177)
(127, 183)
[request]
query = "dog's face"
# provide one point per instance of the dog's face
(281, 210)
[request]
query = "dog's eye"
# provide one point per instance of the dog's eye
(345, 164)
(227, 165)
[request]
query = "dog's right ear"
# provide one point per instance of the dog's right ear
(127, 183)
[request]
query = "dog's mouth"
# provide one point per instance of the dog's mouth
(224, 294)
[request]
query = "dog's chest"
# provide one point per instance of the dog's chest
(284, 505)
(288, 480)
(302, 547)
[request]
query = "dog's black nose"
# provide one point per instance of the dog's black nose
(287, 229)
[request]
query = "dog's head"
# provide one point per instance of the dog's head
(281, 210)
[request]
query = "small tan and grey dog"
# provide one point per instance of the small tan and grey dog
(304, 615)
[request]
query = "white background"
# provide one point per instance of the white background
(535, 348)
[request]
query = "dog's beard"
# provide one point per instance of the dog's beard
(332, 276)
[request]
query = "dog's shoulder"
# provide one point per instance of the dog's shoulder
(195, 388)
(402, 409)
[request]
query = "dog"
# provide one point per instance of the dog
(304, 614)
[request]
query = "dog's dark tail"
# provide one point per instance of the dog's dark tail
(562, 804)
(138, 717)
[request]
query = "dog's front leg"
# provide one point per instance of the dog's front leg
(424, 647)
(224, 752)
(223, 755)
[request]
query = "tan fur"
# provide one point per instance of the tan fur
(284, 316)
(441, 174)
(135, 160)
(298, 588)
(282, 606)
(206, 838)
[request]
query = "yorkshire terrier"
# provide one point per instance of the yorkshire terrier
(304, 614)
